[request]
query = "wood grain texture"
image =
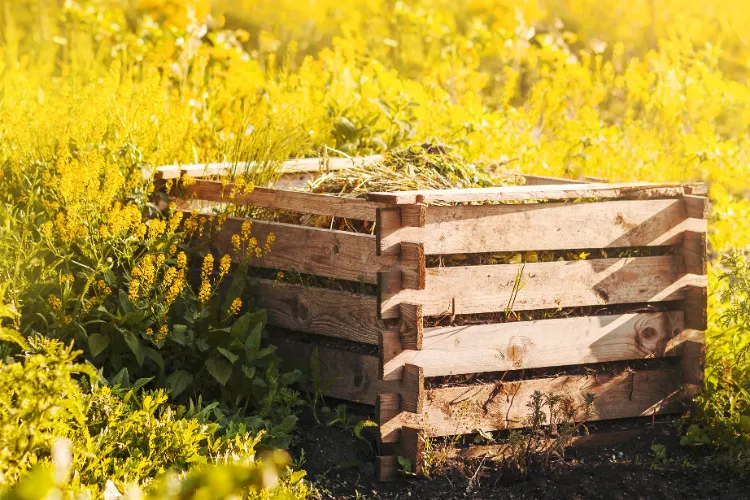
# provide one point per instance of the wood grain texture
(476, 289)
(694, 252)
(587, 441)
(547, 226)
(322, 252)
(311, 165)
(292, 201)
(352, 376)
(489, 407)
(544, 180)
(320, 311)
(637, 190)
(539, 344)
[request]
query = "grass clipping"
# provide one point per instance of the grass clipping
(414, 168)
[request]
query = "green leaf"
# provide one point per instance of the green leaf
(179, 334)
(745, 423)
(135, 345)
(141, 382)
(249, 371)
(288, 379)
(122, 379)
(178, 381)
(219, 369)
(155, 356)
(97, 343)
(252, 343)
(232, 357)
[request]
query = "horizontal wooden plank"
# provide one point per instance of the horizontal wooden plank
(322, 252)
(292, 201)
(543, 180)
(320, 311)
(539, 344)
(546, 226)
(489, 407)
(547, 285)
(345, 375)
(639, 190)
(501, 451)
(296, 165)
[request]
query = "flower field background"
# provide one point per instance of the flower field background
(94, 93)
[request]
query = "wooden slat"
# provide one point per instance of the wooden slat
(500, 451)
(292, 201)
(642, 190)
(476, 289)
(298, 165)
(539, 344)
(694, 251)
(353, 376)
(322, 252)
(345, 375)
(489, 407)
(545, 226)
(543, 180)
(320, 311)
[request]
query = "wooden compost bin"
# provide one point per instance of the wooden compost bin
(535, 217)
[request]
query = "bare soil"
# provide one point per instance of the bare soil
(342, 467)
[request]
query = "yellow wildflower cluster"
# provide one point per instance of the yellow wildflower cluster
(54, 302)
(235, 306)
(224, 265)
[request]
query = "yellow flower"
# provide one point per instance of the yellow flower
(134, 290)
(181, 260)
(270, 239)
(163, 329)
(236, 306)
(224, 264)
(156, 228)
(67, 320)
(279, 276)
(54, 302)
(149, 332)
(174, 222)
(245, 230)
(236, 242)
(204, 294)
(172, 250)
(208, 266)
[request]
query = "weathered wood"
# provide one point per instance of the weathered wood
(354, 376)
(539, 344)
(496, 406)
(638, 190)
(544, 180)
(322, 252)
(694, 250)
(503, 450)
(546, 226)
(292, 201)
(345, 375)
(312, 165)
(413, 266)
(320, 311)
(492, 288)
(391, 221)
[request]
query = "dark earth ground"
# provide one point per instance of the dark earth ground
(342, 467)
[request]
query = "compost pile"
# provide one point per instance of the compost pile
(415, 168)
